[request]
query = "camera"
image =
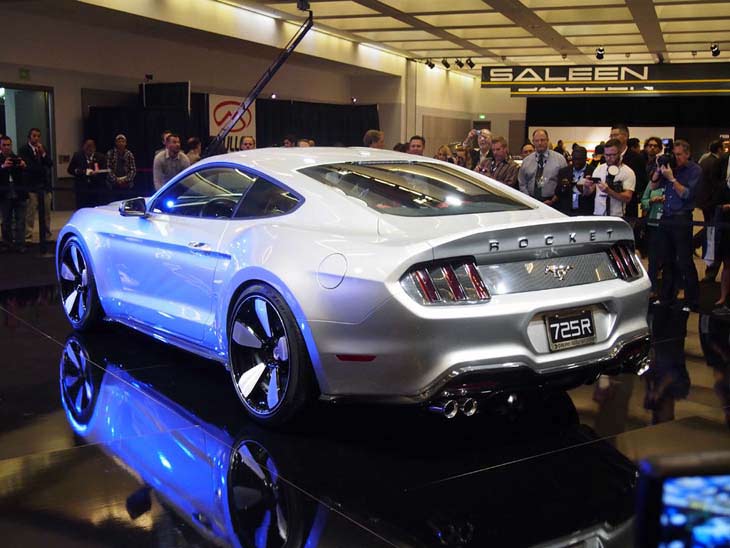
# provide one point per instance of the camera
(683, 499)
(616, 186)
(667, 157)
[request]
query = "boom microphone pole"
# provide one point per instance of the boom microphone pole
(266, 77)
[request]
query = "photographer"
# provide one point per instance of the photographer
(571, 200)
(613, 183)
(38, 163)
(13, 196)
(680, 178)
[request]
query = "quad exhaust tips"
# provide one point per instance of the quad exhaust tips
(450, 408)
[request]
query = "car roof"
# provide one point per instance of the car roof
(278, 159)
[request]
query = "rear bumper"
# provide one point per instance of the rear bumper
(416, 357)
(467, 379)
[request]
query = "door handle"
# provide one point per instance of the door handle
(199, 246)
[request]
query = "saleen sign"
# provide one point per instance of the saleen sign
(676, 79)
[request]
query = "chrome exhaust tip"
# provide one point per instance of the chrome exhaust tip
(446, 408)
(469, 407)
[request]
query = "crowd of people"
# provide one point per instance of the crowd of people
(656, 189)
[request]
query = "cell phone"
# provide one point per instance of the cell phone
(595, 180)
(684, 500)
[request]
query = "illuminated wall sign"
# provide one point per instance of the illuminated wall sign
(221, 108)
(619, 79)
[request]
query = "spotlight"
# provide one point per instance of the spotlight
(694, 53)
(600, 52)
(353, 100)
(459, 63)
(564, 55)
(627, 54)
(715, 50)
(273, 95)
(445, 63)
(470, 63)
(429, 63)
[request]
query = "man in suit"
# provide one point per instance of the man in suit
(84, 167)
(38, 163)
(13, 196)
(479, 145)
(637, 164)
(539, 172)
(707, 197)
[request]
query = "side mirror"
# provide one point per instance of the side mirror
(135, 207)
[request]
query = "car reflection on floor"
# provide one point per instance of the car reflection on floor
(414, 482)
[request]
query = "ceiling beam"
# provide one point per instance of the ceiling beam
(416, 23)
(523, 16)
(648, 23)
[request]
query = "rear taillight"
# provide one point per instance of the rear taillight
(447, 282)
(624, 262)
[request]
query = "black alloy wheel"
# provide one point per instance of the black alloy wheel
(79, 379)
(268, 360)
(78, 289)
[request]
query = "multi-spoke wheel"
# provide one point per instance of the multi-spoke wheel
(79, 379)
(268, 359)
(265, 511)
(78, 290)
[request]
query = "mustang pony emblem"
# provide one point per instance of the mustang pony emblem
(559, 271)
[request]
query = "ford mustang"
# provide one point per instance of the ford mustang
(356, 274)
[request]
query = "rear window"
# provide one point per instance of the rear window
(414, 189)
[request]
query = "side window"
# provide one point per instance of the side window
(209, 193)
(265, 199)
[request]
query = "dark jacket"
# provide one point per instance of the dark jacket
(36, 174)
(80, 163)
(707, 193)
(637, 163)
(565, 194)
(11, 181)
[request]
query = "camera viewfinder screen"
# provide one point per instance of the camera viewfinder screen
(695, 512)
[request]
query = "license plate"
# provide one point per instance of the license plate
(569, 329)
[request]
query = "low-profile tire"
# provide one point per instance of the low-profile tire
(79, 298)
(268, 359)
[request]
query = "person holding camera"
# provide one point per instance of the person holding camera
(680, 178)
(13, 196)
(38, 163)
(652, 203)
(87, 168)
(613, 183)
(571, 199)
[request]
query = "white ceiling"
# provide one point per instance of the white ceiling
(531, 31)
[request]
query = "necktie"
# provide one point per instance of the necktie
(537, 190)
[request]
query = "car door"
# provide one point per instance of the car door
(167, 260)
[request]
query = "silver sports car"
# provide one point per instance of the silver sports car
(361, 274)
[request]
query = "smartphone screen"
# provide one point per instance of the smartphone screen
(695, 511)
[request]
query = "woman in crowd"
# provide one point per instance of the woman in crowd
(444, 154)
(652, 202)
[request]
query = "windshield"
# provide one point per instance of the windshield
(414, 189)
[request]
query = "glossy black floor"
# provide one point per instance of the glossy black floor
(149, 447)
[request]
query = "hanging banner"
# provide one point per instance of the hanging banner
(619, 79)
(221, 108)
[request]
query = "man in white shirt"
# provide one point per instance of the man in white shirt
(616, 184)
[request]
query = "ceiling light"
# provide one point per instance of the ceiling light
(694, 53)
(273, 95)
(470, 63)
(459, 63)
(445, 63)
(353, 100)
(429, 63)
(600, 52)
(715, 50)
